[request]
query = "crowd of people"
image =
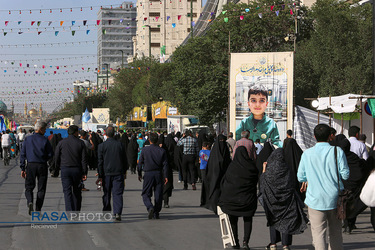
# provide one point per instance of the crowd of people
(235, 175)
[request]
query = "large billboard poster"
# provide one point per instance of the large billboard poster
(267, 73)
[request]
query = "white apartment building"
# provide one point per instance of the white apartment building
(168, 22)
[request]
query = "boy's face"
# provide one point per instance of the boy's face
(257, 104)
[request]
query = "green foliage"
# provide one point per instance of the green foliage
(337, 58)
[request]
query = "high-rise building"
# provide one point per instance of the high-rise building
(115, 31)
(163, 25)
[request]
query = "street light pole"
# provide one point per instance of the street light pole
(149, 40)
(122, 59)
(107, 73)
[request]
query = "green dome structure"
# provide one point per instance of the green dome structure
(3, 107)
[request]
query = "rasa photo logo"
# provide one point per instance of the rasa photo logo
(45, 220)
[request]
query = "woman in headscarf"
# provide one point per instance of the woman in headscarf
(170, 143)
(96, 140)
(239, 193)
(359, 172)
(125, 141)
(132, 153)
(282, 204)
(167, 188)
(293, 154)
(51, 162)
(217, 165)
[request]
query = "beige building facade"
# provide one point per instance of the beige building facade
(167, 21)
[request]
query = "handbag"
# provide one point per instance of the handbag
(342, 198)
(367, 195)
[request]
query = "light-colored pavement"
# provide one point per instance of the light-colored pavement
(184, 225)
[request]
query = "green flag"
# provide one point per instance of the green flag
(371, 104)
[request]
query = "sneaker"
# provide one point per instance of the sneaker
(271, 247)
(166, 206)
(150, 213)
(117, 217)
(286, 248)
(31, 208)
(179, 181)
(245, 245)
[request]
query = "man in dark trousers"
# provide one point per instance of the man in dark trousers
(112, 167)
(191, 153)
(70, 157)
(37, 151)
(153, 161)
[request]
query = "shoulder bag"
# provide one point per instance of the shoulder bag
(367, 195)
(342, 198)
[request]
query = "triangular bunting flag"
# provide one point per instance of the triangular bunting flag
(73, 22)
(291, 11)
(247, 10)
(277, 12)
(19, 22)
(260, 15)
(56, 33)
(144, 19)
(39, 22)
(104, 31)
(241, 17)
(32, 23)
(157, 18)
(193, 23)
(173, 25)
(39, 32)
(179, 17)
(87, 32)
(272, 6)
(5, 33)
(168, 18)
(19, 33)
(49, 23)
(226, 19)
(84, 22)
(97, 22)
(6, 23)
(283, 6)
(61, 23)
(223, 12)
(73, 32)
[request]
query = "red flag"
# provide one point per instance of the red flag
(179, 17)
(32, 23)
(272, 6)
(97, 22)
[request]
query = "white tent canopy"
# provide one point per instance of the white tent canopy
(340, 104)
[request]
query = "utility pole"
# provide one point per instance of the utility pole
(122, 59)
(149, 40)
(373, 50)
(191, 19)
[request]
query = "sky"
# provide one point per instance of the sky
(42, 68)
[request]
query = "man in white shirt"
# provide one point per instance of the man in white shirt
(5, 144)
(357, 147)
(21, 137)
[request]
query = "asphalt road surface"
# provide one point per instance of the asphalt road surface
(184, 225)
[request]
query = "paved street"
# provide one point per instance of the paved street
(183, 226)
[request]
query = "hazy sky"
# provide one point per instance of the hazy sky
(48, 52)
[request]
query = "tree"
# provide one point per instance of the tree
(337, 58)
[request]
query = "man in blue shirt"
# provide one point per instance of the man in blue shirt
(37, 151)
(318, 168)
(153, 159)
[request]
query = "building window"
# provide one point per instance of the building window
(188, 29)
(193, 0)
(194, 14)
(155, 29)
(153, 45)
(154, 14)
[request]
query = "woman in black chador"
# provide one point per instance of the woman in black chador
(281, 201)
(217, 165)
(239, 193)
(132, 153)
(167, 189)
(51, 163)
